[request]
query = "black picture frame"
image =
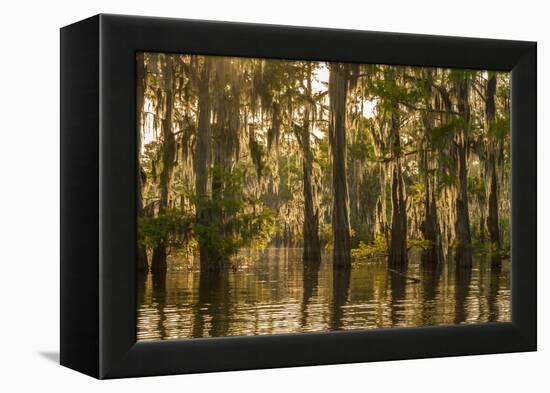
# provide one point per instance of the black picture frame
(98, 196)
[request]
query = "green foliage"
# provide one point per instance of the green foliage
(417, 192)
(168, 228)
(232, 220)
(209, 236)
(377, 249)
(362, 149)
(257, 229)
(485, 249)
(150, 158)
(481, 247)
(500, 128)
(441, 136)
(421, 244)
(447, 180)
(391, 92)
(326, 235)
(252, 230)
(476, 188)
(258, 154)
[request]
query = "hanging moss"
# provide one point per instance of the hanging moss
(260, 182)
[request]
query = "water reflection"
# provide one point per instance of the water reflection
(429, 279)
(463, 277)
(340, 288)
(277, 293)
(398, 305)
(310, 282)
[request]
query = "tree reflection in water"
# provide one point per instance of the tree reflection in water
(276, 293)
(340, 288)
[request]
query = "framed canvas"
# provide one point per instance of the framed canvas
(239, 196)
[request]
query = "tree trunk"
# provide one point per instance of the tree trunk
(225, 135)
(158, 261)
(431, 231)
(337, 136)
(312, 245)
(464, 240)
(142, 263)
(398, 242)
(434, 253)
(210, 260)
(492, 218)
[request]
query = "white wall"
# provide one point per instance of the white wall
(29, 196)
